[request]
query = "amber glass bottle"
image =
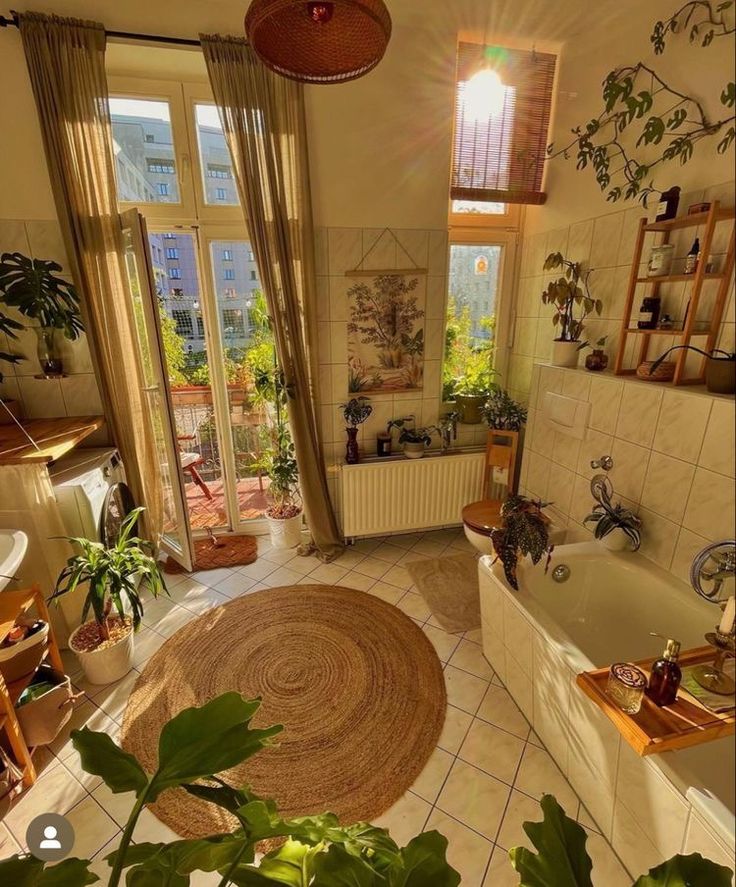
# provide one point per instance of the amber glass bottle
(664, 680)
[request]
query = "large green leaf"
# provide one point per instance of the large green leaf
(687, 871)
(202, 741)
(187, 856)
(31, 872)
(100, 756)
(337, 868)
(424, 862)
(291, 865)
(561, 860)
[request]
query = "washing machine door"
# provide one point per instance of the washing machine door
(119, 502)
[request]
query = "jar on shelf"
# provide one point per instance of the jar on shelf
(660, 260)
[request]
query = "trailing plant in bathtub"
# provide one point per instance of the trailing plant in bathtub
(524, 532)
(561, 859)
(193, 748)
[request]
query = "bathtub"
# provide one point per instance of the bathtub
(540, 638)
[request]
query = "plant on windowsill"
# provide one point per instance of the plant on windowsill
(720, 369)
(472, 389)
(355, 412)
(502, 413)
(616, 526)
(597, 360)
(33, 287)
(524, 531)
(561, 859)
(195, 748)
(104, 646)
(415, 440)
(572, 302)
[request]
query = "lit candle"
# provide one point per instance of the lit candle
(729, 615)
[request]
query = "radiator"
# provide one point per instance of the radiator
(409, 494)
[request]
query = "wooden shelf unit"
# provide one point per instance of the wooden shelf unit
(653, 730)
(708, 219)
(12, 605)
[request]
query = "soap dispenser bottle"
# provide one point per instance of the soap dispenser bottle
(665, 677)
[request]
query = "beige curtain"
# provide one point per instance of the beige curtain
(66, 63)
(263, 118)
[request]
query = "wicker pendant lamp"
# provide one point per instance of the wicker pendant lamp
(319, 42)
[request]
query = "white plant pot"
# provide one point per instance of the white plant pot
(616, 540)
(108, 665)
(414, 450)
(565, 354)
(285, 532)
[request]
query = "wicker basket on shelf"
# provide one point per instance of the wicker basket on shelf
(665, 372)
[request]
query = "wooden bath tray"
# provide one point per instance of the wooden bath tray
(653, 730)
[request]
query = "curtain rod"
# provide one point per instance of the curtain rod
(12, 22)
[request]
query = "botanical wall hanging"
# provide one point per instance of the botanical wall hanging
(646, 122)
(386, 327)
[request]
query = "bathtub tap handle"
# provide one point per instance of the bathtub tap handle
(715, 563)
(605, 462)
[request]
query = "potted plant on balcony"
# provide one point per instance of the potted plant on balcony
(415, 440)
(33, 287)
(355, 412)
(502, 412)
(569, 296)
(114, 576)
(284, 513)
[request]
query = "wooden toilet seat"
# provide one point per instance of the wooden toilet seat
(483, 516)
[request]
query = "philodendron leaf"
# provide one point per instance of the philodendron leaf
(336, 868)
(683, 871)
(187, 856)
(291, 864)
(100, 756)
(28, 871)
(202, 741)
(561, 859)
(424, 862)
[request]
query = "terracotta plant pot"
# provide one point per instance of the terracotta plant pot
(596, 361)
(109, 664)
(469, 407)
(720, 375)
(565, 354)
(413, 450)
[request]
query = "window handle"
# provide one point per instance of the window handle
(151, 388)
(183, 165)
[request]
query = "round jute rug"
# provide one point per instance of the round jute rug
(355, 682)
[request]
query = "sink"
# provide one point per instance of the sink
(13, 545)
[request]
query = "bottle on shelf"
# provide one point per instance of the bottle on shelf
(668, 202)
(649, 313)
(665, 675)
(692, 260)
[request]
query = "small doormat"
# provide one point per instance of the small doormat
(449, 586)
(230, 551)
(355, 682)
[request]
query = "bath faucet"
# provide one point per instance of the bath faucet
(605, 462)
(723, 558)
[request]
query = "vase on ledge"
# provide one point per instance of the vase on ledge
(48, 351)
(352, 453)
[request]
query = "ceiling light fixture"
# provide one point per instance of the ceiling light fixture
(319, 42)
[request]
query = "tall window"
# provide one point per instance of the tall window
(175, 273)
(229, 274)
(172, 252)
(227, 255)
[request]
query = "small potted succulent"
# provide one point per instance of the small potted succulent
(616, 527)
(720, 368)
(471, 390)
(568, 295)
(355, 412)
(502, 412)
(524, 531)
(597, 360)
(114, 575)
(415, 440)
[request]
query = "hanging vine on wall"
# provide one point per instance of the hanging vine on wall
(643, 113)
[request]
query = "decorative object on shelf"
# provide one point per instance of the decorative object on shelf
(664, 372)
(660, 260)
(665, 322)
(645, 122)
(219, 736)
(668, 202)
(649, 313)
(355, 412)
(33, 287)
(472, 390)
(502, 412)
(386, 325)
(692, 259)
(616, 527)
(104, 646)
(626, 686)
(703, 315)
(720, 371)
(524, 531)
(415, 440)
(665, 674)
(696, 208)
(383, 443)
(566, 295)
(332, 41)
(597, 360)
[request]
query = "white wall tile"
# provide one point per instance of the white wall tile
(710, 506)
(638, 414)
(81, 395)
(606, 240)
(629, 469)
(667, 486)
(605, 395)
(719, 445)
(41, 398)
(681, 426)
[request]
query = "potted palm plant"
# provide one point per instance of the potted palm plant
(569, 295)
(114, 576)
(33, 287)
(355, 412)
(284, 513)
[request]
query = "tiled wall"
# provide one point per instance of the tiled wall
(673, 452)
(339, 250)
(606, 243)
(75, 395)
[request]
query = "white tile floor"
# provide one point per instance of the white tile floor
(481, 783)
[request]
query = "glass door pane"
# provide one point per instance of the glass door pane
(214, 156)
(176, 541)
(249, 360)
(183, 324)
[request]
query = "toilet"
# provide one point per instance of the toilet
(480, 518)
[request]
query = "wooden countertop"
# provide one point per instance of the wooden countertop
(54, 438)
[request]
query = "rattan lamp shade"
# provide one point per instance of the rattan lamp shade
(328, 42)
